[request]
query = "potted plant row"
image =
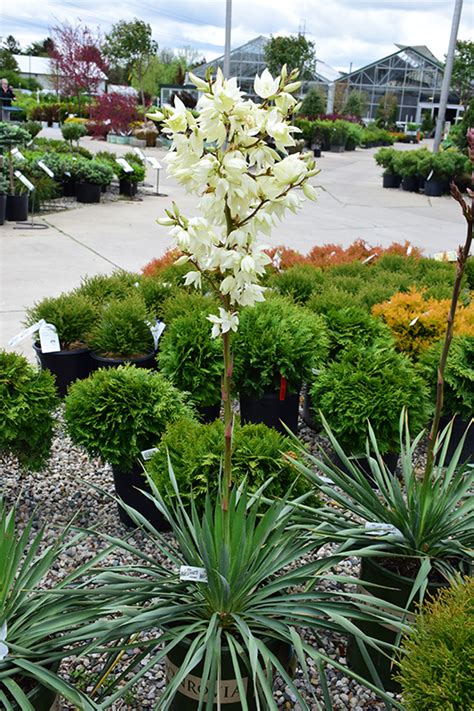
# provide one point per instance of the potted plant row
(16, 208)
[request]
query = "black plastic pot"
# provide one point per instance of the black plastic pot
(435, 188)
(272, 411)
(317, 152)
(390, 459)
(209, 413)
(17, 208)
(187, 695)
(396, 590)
(146, 361)
(392, 180)
(69, 188)
(88, 192)
(457, 432)
(129, 486)
(126, 187)
(307, 414)
(3, 208)
(66, 366)
(411, 183)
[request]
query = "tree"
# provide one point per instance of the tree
(294, 51)
(387, 110)
(159, 72)
(40, 48)
(462, 78)
(78, 63)
(8, 62)
(131, 44)
(314, 104)
(11, 45)
(355, 105)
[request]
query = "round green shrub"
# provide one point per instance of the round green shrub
(277, 339)
(353, 326)
(191, 359)
(370, 383)
(138, 170)
(103, 288)
(330, 299)
(154, 293)
(73, 315)
(298, 282)
(438, 657)
(122, 330)
(92, 171)
(28, 399)
(118, 412)
(181, 302)
(73, 131)
(196, 450)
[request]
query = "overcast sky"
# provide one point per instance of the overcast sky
(344, 31)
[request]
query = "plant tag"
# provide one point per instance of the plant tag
(66, 172)
(139, 152)
(153, 162)
(414, 320)
(430, 175)
(381, 529)
(3, 639)
(49, 338)
(409, 249)
(156, 329)
(148, 453)
(47, 170)
(24, 180)
(369, 258)
(326, 480)
(18, 154)
(188, 572)
(315, 371)
(24, 334)
(124, 164)
(450, 256)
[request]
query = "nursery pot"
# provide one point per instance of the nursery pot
(69, 188)
(126, 187)
(187, 695)
(3, 208)
(88, 192)
(411, 183)
(390, 459)
(395, 589)
(392, 180)
(317, 152)
(272, 411)
(40, 697)
(457, 432)
(17, 208)
(435, 188)
(307, 415)
(144, 361)
(66, 366)
(129, 486)
(209, 413)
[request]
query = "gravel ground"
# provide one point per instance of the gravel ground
(62, 491)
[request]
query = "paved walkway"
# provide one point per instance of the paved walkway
(99, 238)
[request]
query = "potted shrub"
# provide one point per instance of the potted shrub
(74, 317)
(193, 362)
(73, 131)
(407, 164)
(12, 135)
(116, 414)
(385, 157)
(370, 383)
(3, 198)
(128, 182)
(339, 133)
(63, 167)
(27, 402)
(277, 345)
(102, 289)
(122, 335)
(91, 175)
(299, 282)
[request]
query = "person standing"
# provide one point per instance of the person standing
(6, 98)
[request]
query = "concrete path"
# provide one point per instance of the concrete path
(99, 238)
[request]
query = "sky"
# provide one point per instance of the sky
(344, 32)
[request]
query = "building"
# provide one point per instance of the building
(42, 69)
(413, 75)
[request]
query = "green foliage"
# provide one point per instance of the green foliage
(27, 401)
(295, 51)
(438, 656)
(93, 171)
(446, 165)
(191, 359)
(356, 104)
(154, 293)
(52, 144)
(73, 131)
(370, 384)
(332, 297)
(73, 315)
(463, 71)
(122, 331)
(118, 412)
(103, 288)
(298, 282)
(196, 457)
(385, 157)
(33, 128)
(339, 132)
(130, 44)
(458, 375)
(314, 104)
(353, 326)
(138, 170)
(13, 135)
(387, 111)
(182, 302)
(277, 339)
(3, 185)
(407, 163)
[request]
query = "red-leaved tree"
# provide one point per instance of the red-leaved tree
(77, 61)
(112, 113)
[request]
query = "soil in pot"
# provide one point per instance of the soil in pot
(17, 208)
(209, 413)
(3, 208)
(88, 192)
(126, 187)
(140, 361)
(457, 432)
(271, 410)
(435, 188)
(66, 366)
(392, 180)
(129, 486)
(390, 459)
(411, 183)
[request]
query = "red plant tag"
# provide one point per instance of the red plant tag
(282, 388)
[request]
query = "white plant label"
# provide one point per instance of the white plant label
(315, 371)
(66, 172)
(24, 334)
(430, 175)
(148, 453)
(47, 170)
(49, 339)
(381, 529)
(188, 572)
(409, 249)
(18, 154)
(413, 321)
(153, 162)
(369, 259)
(3, 639)
(124, 164)
(156, 331)
(139, 152)
(326, 480)
(24, 180)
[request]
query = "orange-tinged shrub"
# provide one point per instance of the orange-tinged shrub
(417, 322)
(156, 266)
(284, 257)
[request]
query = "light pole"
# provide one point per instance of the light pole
(228, 26)
(447, 75)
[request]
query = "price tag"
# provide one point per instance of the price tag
(153, 162)
(18, 154)
(47, 170)
(139, 152)
(188, 572)
(24, 180)
(27, 332)
(49, 339)
(430, 175)
(156, 329)
(148, 453)
(124, 164)
(413, 321)
(381, 529)
(369, 259)
(409, 249)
